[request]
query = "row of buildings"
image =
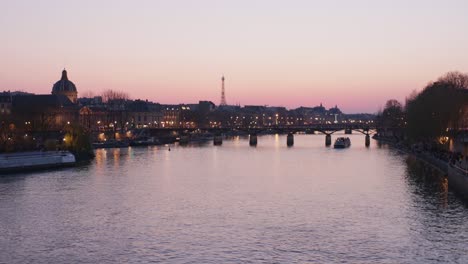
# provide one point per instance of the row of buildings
(53, 112)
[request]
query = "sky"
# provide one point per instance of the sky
(354, 54)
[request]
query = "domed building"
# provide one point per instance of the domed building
(65, 87)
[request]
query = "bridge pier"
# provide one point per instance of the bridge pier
(218, 140)
(328, 140)
(290, 139)
(253, 139)
(183, 140)
(367, 140)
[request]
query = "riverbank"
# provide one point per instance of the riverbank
(458, 180)
(457, 176)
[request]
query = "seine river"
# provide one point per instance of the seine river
(235, 204)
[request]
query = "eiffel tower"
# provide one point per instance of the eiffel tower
(223, 95)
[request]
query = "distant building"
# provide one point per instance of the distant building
(171, 115)
(334, 111)
(84, 101)
(142, 114)
(5, 103)
(65, 87)
(204, 108)
(94, 117)
(181, 115)
(255, 108)
(44, 112)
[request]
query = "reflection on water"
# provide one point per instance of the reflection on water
(427, 182)
(233, 203)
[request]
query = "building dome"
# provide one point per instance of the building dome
(65, 87)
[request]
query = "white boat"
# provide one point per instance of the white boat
(342, 142)
(145, 141)
(23, 161)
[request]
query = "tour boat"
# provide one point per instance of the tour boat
(342, 142)
(111, 144)
(145, 141)
(35, 160)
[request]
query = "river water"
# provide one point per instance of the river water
(235, 204)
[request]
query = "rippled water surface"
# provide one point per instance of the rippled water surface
(235, 204)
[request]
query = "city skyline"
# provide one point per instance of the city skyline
(272, 53)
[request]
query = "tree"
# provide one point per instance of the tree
(116, 102)
(78, 141)
(392, 117)
(111, 95)
(437, 108)
(457, 79)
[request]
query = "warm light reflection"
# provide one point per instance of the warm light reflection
(444, 192)
(277, 141)
(116, 154)
(277, 137)
(101, 155)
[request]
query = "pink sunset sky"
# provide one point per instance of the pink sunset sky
(354, 54)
